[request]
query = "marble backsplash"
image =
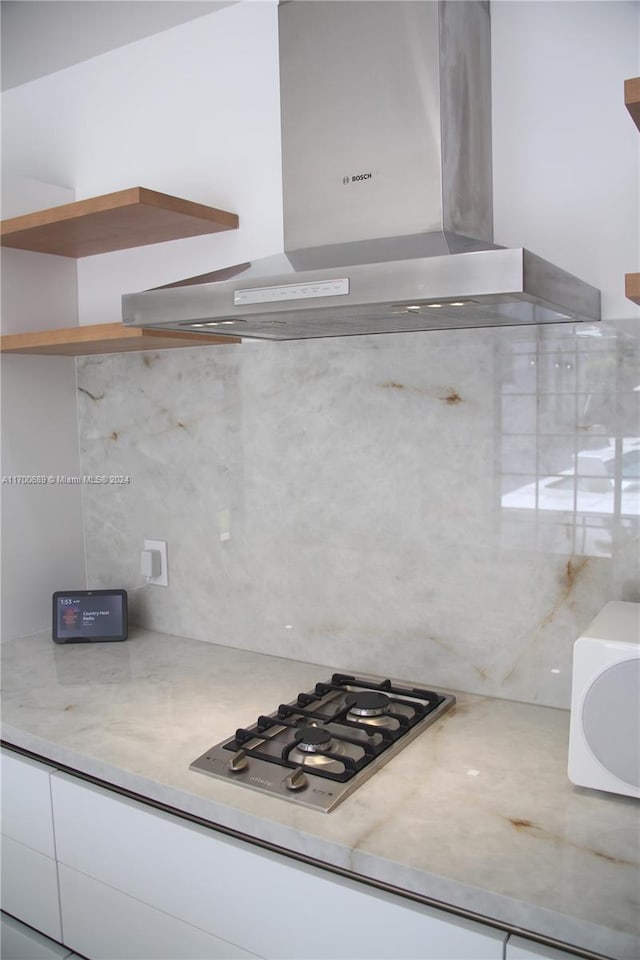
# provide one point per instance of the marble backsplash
(451, 508)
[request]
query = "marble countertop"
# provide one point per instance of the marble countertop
(477, 813)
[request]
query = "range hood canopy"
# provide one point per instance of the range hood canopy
(386, 144)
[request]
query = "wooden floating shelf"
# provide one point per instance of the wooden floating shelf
(103, 338)
(632, 287)
(115, 221)
(632, 103)
(632, 99)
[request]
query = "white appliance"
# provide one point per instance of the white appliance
(604, 735)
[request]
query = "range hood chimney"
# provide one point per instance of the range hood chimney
(388, 224)
(386, 130)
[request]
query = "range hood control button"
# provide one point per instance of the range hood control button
(238, 762)
(297, 780)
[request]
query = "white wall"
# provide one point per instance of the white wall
(39, 292)
(42, 535)
(41, 37)
(192, 111)
(42, 545)
(565, 150)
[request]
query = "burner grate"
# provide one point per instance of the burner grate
(365, 749)
(353, 726)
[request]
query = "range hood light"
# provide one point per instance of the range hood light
(214, 323)
(434, 306)
(209, 323)
(451, 303)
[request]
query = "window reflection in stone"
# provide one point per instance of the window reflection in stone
(569, 461)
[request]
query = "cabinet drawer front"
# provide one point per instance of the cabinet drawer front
(88, 912)
(30, 887)
(268, 904)
(18, 942)
(518, 948)
(26, 803)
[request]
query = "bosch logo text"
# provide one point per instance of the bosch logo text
(358, 176)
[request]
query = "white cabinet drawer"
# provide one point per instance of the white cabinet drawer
(26, 803)
(519, 948)
(30, 887)
(265, 903)
(18, 942)
(89, 910)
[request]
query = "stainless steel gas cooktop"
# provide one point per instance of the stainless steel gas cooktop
(318, 749)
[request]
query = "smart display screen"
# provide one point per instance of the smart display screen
(85, 615)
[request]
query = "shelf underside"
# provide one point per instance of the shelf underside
(102, 338)
(632, 287)
(632, 99)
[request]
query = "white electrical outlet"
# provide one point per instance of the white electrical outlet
(224, 524)
(162, 580)
(150, 563)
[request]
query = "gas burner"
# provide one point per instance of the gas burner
(370, 707)
(313, 739)
(369, 703)
(312, 746)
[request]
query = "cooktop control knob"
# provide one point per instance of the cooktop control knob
(296, 780)
(238, 762)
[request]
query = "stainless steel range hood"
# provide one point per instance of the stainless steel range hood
(386, 139)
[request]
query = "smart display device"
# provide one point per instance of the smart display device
(85, 616)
